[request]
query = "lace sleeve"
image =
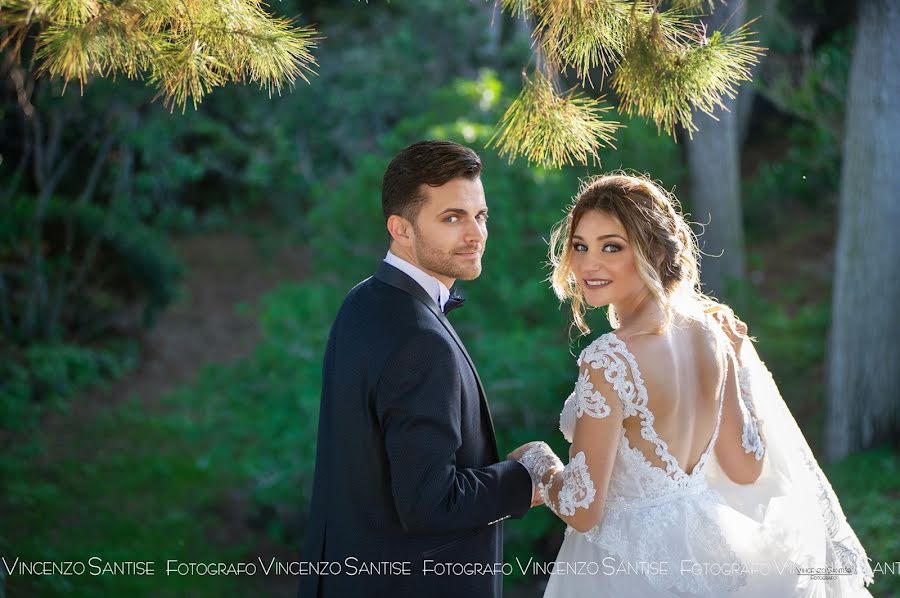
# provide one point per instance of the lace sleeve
(736, 332)
(540, 460)
(751, 438)
(593, 426)
(576, 489)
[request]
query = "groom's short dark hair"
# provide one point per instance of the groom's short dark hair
(424, 163)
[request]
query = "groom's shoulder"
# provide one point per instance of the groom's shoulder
(373, 289)
(372, 298)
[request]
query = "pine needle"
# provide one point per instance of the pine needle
(550, 129)
(187, 70)
(693, 5)
(65, 51)
(587, 34)
(666, 79)
(524, 8)
(184, 47)
(65, 12)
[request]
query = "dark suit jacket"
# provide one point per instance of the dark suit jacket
(407, 468)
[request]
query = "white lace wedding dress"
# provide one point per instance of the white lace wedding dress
(670, 533)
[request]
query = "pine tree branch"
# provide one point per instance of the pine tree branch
(551, 129)
(665, 78)
(185, 48)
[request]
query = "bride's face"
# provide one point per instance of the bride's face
(603, 260)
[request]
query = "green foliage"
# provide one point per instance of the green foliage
(87, 266)
(812, 84)
(48, 374)
(277, 388)
(126, 484)
(807, 174)
(868, 485)
(380, 64)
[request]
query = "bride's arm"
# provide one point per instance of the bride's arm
(577, 491)
(741, 447)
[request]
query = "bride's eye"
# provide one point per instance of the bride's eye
(611, 248)
(579, 246)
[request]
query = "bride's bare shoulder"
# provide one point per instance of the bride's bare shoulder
(649, 350)
(684, 336)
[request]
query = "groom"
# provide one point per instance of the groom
(410, 492)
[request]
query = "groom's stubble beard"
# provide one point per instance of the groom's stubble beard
(441, 262)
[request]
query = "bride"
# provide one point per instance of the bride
(687, 474)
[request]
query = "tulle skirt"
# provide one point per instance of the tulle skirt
(698, 545)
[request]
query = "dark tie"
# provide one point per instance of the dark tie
(452, 303)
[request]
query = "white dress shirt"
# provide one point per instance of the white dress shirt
(434, 287)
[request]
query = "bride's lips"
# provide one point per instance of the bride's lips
(597, 283)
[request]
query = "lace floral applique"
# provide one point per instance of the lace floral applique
(584, 399)
(601, 355)
(577, 489)
(538, 460)
(751, 438)
(587, 400)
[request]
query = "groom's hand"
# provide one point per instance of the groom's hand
(536, 498)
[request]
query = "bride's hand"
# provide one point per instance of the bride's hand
(517, 454)
(733, 327)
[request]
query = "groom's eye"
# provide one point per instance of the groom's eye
(451, 219)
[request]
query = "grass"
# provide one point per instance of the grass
(868, 486)
(128, 486)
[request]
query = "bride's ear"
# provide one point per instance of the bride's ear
(658, 257)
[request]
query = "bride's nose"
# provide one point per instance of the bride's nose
(593, 263)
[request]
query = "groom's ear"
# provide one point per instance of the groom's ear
(400, 230)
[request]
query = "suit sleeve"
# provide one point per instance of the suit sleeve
(418, 398)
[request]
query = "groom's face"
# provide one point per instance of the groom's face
(449, 234)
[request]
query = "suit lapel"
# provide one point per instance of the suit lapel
(396, 278)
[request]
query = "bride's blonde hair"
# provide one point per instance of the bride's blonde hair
(664, 245)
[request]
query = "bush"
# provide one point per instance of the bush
(112, 265)
(46, 374)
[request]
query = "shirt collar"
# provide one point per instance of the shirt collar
(434, 287)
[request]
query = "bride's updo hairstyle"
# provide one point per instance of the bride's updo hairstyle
(664, 245)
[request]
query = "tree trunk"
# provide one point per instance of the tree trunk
(767, 10)
(713, 156)
(864, 372)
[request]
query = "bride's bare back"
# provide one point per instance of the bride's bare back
(682, 370)
(685, 371)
